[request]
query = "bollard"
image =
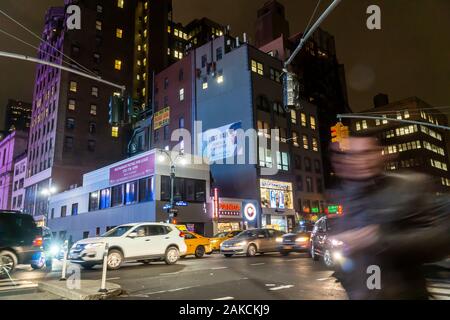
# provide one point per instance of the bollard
(105, 268)
(64, 268)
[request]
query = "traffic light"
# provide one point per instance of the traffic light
(133, 108)
(340, 134)
(116, 108)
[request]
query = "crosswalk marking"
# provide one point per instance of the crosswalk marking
(8, 285)
(440, 290)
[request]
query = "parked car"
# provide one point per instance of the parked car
(20, 241)
(197, 245)
(141, 242)
(219, 238)
(251, 242)
(297, 241)
(323, 245)
(45, 257)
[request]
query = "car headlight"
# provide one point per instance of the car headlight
(94, 245)
(336, 243)
(302, 239)
(241, 244)
(54, 250)
(337, 256)
(214, 241)
(279, 240)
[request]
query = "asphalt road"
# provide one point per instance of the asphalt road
(268, 277)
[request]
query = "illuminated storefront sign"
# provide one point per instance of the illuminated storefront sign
(276, 194)
(230, 209)
(250, 212)
(132, 170)
(162, 118)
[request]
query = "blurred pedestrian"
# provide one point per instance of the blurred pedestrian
(393, 221)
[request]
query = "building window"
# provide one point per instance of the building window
(98, 25)
(205, 84)
(91, 145)
(313, 122)
(70, 123)
(294, 117)
(63, 211)
(182, 94)
(73, 86)
(72, 105)
(119, 33)
(315, 144)
(295, 139)
(308, 165)
(99, 9)
(317, 166)
(204, 60)
(257, 67)
(94, 91)
(166, 132)
(364, 124)
(275, 75)
(117, 196)
(93, 201)
(105, 199)
(219, 54)
(283, 161)
(115, 132)
(68, 143)
(265, 158)
(303, 119)
(97, 58)
(131, 192)
(92, 127)
(118, 65)
(146, 190)
(305, 142)
(120, 3)
(181, 123)
(309, 185)
(93, 110)
(75, 209)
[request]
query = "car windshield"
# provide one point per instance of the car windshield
(117, 232)
(247, 234)
(221, 235)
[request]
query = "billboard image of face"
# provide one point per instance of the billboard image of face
(221, 143)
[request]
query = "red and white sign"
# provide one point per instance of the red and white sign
(250, 212)
(230, 209)
(133, 170)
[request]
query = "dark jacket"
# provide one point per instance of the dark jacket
(414, 229)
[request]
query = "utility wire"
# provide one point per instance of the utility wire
(312, 17)
(46, 42)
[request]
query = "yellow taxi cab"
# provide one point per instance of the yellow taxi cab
(217, 240)
(197, 245)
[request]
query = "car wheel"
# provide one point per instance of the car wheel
(228, 255)
(8, 263)
(328, 259)
(251, 250)
(87, 266)
(199, 252)
(172, 256)
(115, 260)
(314, 256)
(285, 253)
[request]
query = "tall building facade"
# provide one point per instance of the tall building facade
(414, 147)
(322, 77)
(11, 149)
(17, 116)
(69, 132)
(18, 191)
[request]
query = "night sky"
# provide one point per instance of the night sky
(410, 56)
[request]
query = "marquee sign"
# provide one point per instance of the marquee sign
(230, 209)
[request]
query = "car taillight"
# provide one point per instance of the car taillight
(38, 241)
(182, 234)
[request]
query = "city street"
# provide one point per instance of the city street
(268, 277)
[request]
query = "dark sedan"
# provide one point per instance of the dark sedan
(298, 241)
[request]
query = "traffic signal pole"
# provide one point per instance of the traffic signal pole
(54, 65)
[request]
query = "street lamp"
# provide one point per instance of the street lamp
(163, 155)
(48, 192)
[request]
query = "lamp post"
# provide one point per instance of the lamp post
(48, 192)
(163, 154)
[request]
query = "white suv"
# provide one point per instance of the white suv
(141, 242)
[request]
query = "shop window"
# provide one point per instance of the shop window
(93, 201)
(105, 199)
(131, 192)
(117, 196)
(146, 190)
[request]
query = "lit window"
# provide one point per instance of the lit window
(220, 79)
(115, 132)
(313, 122)
(94, 92)
(144, 62)
(139, 47)
(257, 67)
(145, 33)
(72, 105)
(205, 84)
(144, 92)
(98, 25)
(146, 5)
(118, 65)
(294, 116)
(303, 118)
(73, 86)
(93, 110)
(315, 145)
(364, 124)
(182, 94)
(120, 3)
(407, 116)
(119, 33)
(305, 142)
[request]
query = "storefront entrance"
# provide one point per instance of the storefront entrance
(229, 226)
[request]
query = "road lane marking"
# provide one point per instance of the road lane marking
(281, 288)
(109, 279)
(224, 299)
(220, 268)
(270, 285)
(323, 279)
(156, 292)
(258, 264)
(169, 273)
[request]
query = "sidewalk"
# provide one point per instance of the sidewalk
(89, 290)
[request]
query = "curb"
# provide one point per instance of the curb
(88, 291)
